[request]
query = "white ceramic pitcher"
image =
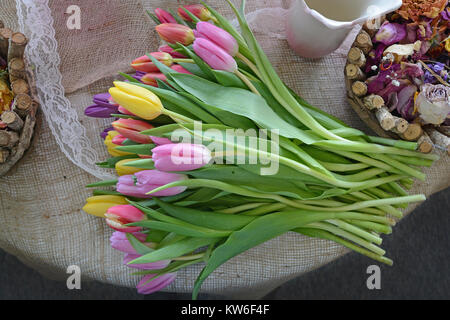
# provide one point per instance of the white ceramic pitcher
(318, 27)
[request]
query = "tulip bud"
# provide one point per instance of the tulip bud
(145, 64)
(180, 69)
(137, 100)
(164, 16)
(102, 108)
(119, 140)
(181, 157)
(111, 146)
(218, 36)
(123, 170)
(117, 217)
(130, 129)
(174, 33)
(96, 111)
(171, 51)
(150, 78)
(99, 205)
(197, 10)
(149, 286)
(214, 55)
(143, 182)
(120, 242)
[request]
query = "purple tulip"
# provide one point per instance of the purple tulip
(181, 157)
(141, 183)
(149, 286)
(218, 36)
(119, 242)
(103, 106)
(214, 56)
(145, 266)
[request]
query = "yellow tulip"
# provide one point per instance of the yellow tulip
(137, 100)
(447, 44)
(112, 147)
(98, 205)
(123, 170)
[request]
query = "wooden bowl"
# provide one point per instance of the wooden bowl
(16, 124)
(372, 110)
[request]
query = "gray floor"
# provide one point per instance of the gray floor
(420, 247)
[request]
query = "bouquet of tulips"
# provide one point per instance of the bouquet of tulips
(216, 155)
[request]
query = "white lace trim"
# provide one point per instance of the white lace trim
(36, 21)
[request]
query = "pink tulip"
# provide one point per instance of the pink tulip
(171, 51)
(180, 69)
(174, 33)
(145, 64)
(130, 129)
(218, 36)
(150, 78)
(215, 56)
(197, 10)
(141, 183)
(119, 140)
(117, 217)
(145, 266)
(181, 157)
(160, 141)
(119, 242)
(149, 286)
(164, 16)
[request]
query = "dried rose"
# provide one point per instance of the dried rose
(433, 103)
(391, 33)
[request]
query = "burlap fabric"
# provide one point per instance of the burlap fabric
(41, 220)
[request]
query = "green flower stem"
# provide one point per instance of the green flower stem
(183, 60)
(105, 183)
(394, 143)
(249, 63)
(364, 159)
(404, 168)
(372, 148)
(357, 231)
(377, 227)
(105, 193)
(322, 234)
(265, 210)
(388, 209)
(363, 204)
(338, 167)
(413, 160)
(190, 257)
(361, 176)
(347, 235)
(247, 82)
(177, 117)
(244, 207)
